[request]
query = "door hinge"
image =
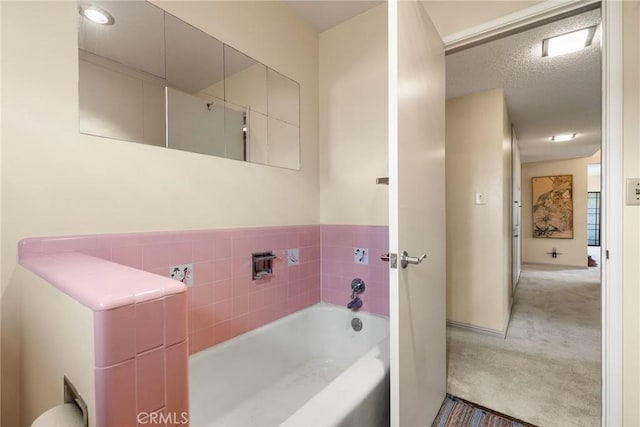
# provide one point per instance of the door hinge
(606, 254)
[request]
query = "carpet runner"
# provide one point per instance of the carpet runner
(456, 412)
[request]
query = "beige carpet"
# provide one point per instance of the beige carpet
(547, 370)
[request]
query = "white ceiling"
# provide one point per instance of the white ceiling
(324, 14)
(545, 96)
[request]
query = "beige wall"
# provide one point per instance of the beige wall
(69, 351)
(61, 182)
(478, 159)
(631, 240)
(574, 251)
(56, 181)
(353, 121)
(507, 214)
(593, 182)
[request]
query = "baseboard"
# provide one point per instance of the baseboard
(559, 266)
(479, 329)
(487, 331)
(507, 319)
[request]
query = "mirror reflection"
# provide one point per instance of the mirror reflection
(283, 124)
(245, 80)
(149, 77)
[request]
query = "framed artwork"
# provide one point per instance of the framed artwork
(552, 206)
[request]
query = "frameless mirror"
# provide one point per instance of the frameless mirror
(194, 59)
(245, 80)
(284, 96)
(283, 126)
(122, 82)
(146, 76)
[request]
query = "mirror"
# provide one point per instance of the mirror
(284, 117)
(121, 82)
(149, 77)
(245, 81)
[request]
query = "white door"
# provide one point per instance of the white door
(417, 214)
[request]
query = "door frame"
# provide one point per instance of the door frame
(611, 176)
(516, 211)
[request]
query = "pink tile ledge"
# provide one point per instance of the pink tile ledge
(99, 284)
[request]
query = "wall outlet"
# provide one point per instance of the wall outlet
(481, 198)
(361, 256)
(182, 273)
(633, 191)
(293, 257)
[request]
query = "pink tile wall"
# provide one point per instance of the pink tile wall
(141, 362)
(338, 268)
(142, 349)
(224, 301)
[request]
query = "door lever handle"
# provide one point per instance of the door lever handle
(384, 257)
(405, 259)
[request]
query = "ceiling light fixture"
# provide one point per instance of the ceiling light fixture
(567, 43)
(563, 138)
(96, 15)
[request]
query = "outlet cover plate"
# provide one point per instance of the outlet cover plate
(361, 256)
(293, 256)
(182, 273)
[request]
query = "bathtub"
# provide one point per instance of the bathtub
(307, 369)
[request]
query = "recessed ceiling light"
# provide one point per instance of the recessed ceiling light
(569, 42)
(563, 137)
(96, 14)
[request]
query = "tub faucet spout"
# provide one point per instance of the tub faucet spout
(354, 303)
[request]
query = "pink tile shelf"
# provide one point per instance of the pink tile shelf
(338, 268)
(98, 284)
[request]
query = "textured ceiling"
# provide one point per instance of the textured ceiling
(324, 14)
(545, 96)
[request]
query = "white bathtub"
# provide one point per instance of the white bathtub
(307, 369)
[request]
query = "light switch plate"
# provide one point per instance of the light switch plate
(361, 256)
(633, 191)
(182, 273)
(481, 198)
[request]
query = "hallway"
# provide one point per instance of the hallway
(547, 370)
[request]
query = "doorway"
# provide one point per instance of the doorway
(606, 299)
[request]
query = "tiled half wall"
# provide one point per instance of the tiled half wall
(224, 301)
(141, 362)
